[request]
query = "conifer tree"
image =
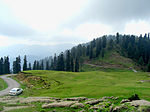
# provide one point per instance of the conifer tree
(148, 66)
(68, 66)
(76, 65)
(72, 64)
(42, 65)
(30, 66)
(25, 63)
(35, 65)
(98, 47)
(91, 52)
(1, 66)
(141, 62)
(104, 41)
(117, 38)
(47, 65)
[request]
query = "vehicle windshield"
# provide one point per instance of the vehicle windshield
(13, 90)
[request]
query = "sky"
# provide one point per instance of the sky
(60, 22)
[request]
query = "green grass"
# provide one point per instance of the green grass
(3, 84)
(93, 84)
(113, 59)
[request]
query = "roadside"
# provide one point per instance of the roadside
(3, 84)
(10, 82)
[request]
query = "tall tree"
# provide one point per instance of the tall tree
(117, 38)
(68, 66)
(47, 65)
(148, 66)
(98, 47)
(35, 65)
(76, 65)
(104, 41)
(25, 63)
(72, 64)
(17, 65)
(29, 67)
(42, 65)
(1, 66)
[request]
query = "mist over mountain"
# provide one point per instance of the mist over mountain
(33, 52)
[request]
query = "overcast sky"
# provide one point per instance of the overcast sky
(52, 22)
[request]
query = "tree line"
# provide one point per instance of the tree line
(131, 46)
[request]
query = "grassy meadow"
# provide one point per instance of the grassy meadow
(3, 84)
(92, 84)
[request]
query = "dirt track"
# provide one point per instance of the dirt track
(10, 82)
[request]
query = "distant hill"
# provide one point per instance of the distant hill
(113, 51)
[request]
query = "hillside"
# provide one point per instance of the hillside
(111, 61)
(106, 52)
(93, 84)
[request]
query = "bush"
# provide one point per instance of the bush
(134, 97)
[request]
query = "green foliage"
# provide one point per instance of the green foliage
(93, 84)
(17, 65)
(25, 63)
(134, 97)
(4, 65)
(3, 84)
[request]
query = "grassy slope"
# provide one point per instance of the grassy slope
(111, 62)
(90, 84)
(3, 84)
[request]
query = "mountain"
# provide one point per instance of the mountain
(107, 52)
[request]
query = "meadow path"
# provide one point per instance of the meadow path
(10, 82)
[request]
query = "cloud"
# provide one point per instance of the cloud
(12, 26)
(115, 13)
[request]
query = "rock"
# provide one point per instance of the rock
(93, 102)
(59, 104)
(143, 109)
(119, 108)
(37, 99)
(111, 109)
(82, 110)
(77, 105)
(140, 103)
(76, 99)
(125, 100)
(96, 107)
(115, 98)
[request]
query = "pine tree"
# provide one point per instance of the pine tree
(55, 63)
(25, 63)
(42, 65)
(111, 44)
(91, 52)
(87, 50)
(103, 53)
(117, 38)
(148, 66)
(47, 65)
(62, 63)
(76, 65)
(141, 62)
(17, 65)
(14, 67)
(104, 41)
(98, 47)
(35, 65)
(1, 66)
(72, 64)
(68, 66)
(29, 67)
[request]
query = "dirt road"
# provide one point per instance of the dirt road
(11, 84)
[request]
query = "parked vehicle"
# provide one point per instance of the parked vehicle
(15, 91)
